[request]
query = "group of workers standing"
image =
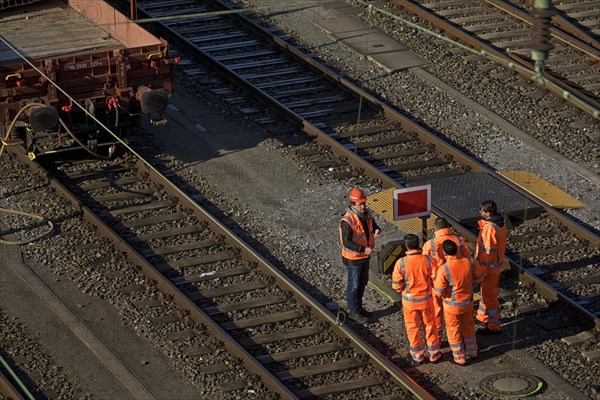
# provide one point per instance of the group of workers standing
(437, 282)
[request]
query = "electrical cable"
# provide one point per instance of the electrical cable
(26, 214)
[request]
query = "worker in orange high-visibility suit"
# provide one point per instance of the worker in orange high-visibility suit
(358, 231)
(433, 248)
(454, 282)
(489, 252)
(412, 277)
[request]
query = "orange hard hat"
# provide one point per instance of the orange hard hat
(357, 196)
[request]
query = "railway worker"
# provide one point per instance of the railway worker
(433, 248)
(489, 252)
(358, 231)
(412, 277)
(454, 283)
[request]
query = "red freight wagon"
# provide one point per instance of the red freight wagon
(98, 60)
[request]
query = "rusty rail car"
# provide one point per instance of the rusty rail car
(62, 61)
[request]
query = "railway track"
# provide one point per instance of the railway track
(579, 18)
(297, 348)
(550, 251)
(500, 28)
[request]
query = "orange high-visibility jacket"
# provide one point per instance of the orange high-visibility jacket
(358, 235)
(433, 247)
(412, 276)
(491, 242)
(455, 281)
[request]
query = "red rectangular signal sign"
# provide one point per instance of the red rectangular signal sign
(412, 202)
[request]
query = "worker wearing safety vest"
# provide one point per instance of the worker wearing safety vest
(412, 277)
(489, 252)
(433, 248)
(358, 231)
(454, 283)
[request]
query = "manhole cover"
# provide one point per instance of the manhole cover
(511, 384)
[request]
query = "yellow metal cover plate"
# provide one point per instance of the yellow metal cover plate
(543, 189)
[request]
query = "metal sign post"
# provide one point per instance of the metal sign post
(424, 228)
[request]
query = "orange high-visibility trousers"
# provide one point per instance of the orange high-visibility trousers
(489, 305)
(460, 329)
(412, 321)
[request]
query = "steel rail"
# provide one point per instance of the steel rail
(569, 37)
(196, 312)
(354, 159)
(554, 85)
(7, 388)
(574, 30)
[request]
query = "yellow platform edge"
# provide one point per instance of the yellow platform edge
(542, 189)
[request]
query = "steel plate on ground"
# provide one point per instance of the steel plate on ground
(461, 195)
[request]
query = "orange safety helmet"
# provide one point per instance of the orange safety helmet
(357, 196)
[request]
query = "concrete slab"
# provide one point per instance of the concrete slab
(397, 60)
(592, 355)
(578, 339)
(370, 42)
(343, 25)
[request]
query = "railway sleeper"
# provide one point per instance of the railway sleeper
(418, 165)
(397, 154)
(341, 387)
(166, 233)
(176, 248)
(243, 305)
(280, 336)
(131, 209)
(181, 335)
(229, 46)
(263, 320)
(124, 196)
(203, 294)
(208, 276)
(382, 142)
(300, 353)
(155, 219)
(547, 251)
(449, 13)
(368, 131)
(311, 370)
(200, 260)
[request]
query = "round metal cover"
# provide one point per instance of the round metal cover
(508, 384)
